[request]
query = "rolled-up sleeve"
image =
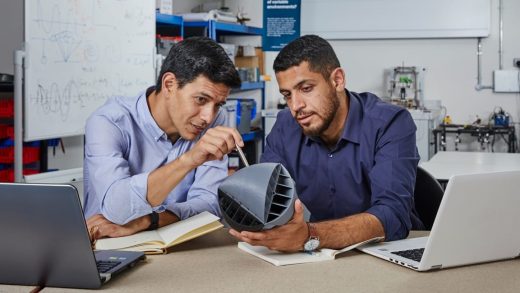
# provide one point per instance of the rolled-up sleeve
(202, 194)
(392, 178)
(112, 190)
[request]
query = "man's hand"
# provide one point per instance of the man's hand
(287, 238)
(99, 227)
(213, 145)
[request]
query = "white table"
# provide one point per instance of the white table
(443, 165)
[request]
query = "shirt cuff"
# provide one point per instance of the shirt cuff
(178, 209)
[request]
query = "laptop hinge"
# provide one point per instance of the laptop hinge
(105, 277)
(436, 267)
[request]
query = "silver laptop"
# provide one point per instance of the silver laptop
(45, 242)
(477, 222)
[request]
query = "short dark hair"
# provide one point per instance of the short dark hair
(199, 56)
(311, 48)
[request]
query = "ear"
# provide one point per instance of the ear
(337, 79)
(169, 82)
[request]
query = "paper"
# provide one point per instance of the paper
(282, 259)
(211, 15)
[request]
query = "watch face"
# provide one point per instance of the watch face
(311, 245)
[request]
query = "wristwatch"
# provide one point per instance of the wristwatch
(154, 224)
(314, 240)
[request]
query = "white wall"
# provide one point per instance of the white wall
(451, 66)
(71, 158)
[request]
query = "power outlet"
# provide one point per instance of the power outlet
(506, 81)
(516, 62)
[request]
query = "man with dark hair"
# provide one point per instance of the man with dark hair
(353, 157)
(159, 157)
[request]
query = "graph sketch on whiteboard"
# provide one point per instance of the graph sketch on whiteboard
(52, 101)
(79, 53)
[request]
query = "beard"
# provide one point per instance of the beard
(326, 116)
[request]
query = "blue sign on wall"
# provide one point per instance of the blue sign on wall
(281, 23)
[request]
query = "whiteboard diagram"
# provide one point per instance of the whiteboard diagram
(80, 53)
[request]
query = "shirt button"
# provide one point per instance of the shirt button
(330, 155)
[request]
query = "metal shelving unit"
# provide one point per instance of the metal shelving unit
(215, 28)
(170, 20)
(247, 86)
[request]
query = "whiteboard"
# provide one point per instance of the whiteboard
(391, 19)
(78, 54)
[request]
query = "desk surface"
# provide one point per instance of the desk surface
(213, 263)
(443, 165)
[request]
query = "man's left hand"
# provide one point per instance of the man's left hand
(287, 238)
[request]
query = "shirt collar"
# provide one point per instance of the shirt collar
(146, 116)
(351, 128)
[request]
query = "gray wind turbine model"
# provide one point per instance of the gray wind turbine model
(258, 197)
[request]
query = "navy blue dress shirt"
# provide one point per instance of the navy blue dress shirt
(371, 169)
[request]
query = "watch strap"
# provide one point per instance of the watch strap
(154, 223)
(313, 242)
(313, 234)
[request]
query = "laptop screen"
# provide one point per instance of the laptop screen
(44, 237)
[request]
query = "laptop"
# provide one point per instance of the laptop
(477, 222)
(44, 240)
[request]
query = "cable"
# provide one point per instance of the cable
(504, 138)
(444, 112)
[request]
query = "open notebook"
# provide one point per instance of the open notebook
(281, 259)
(158, 241)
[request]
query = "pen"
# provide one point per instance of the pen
(242, 156)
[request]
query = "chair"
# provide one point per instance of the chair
(427, 196)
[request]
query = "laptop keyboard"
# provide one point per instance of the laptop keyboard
(413, 254)
(105, 266)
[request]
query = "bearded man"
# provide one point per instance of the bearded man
(353, 156)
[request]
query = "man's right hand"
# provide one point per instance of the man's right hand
(213, 145)
(286, 238)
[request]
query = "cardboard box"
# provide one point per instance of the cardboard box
(260, 54)
(243, 62)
